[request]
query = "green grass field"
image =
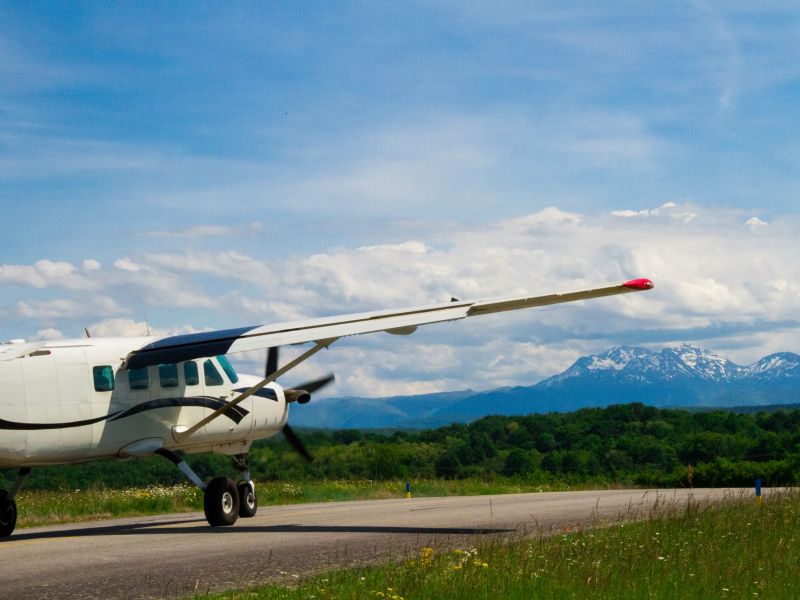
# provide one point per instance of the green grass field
(730, 550)
(50, 508)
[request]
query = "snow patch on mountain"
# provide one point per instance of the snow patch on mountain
(685, 362)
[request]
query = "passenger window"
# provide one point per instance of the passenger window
(226, 366)
(211, 374)
(190, 373)
(103, 378)
(138, 379)
(168, 375)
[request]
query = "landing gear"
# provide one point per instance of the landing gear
(8, 514)
(224, 500)
(221, 502)
(8, 507)
(248, 501)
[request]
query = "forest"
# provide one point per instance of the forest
(626, 444)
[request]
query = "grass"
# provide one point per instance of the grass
(37, 508)
(734, 549)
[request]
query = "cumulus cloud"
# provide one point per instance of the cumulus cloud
(668, 210)
(126, 264)
(717, 284)
(48, 334)
(755, 223)
(121, 327)
(66, 308)
(48, 273)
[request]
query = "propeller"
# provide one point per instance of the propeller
(296, 443)
(300, 394)
(272, 361)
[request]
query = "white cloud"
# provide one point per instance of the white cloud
(755, 223)
(670, 210)
(548, 218)
(126, 264)
(48, 334)
(414, 247)
(713, 285)
(129, 328)
(205, 231)
(47, 273)
(91, 264)
(48, 311)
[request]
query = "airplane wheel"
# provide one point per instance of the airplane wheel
(221, 502)
(248, 501)
(8, 514)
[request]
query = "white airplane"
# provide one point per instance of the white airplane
(70, 401)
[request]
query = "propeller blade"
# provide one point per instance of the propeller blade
(295, 443)
(272, 361)
(317, 384)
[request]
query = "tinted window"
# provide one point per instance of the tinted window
(103, 378)
(138, 379)
(168, 375)
(211, 374)
(190, 373)
(226, 366)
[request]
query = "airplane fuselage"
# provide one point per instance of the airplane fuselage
(71, 400)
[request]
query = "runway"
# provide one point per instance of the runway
(177, 555)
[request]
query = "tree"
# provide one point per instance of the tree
(448, 466)
(517, 463)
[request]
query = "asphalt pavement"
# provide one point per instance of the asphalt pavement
(172, 556)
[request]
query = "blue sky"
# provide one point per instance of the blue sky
(212, 165)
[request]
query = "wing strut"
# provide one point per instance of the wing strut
(181, 436)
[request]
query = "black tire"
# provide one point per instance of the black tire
(248, 501)
(8, 515)
(221, 502)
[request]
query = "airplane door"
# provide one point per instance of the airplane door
(217, 387)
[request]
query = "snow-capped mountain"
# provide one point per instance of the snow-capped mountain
(775, 366)
(686, 362)
(685, 376)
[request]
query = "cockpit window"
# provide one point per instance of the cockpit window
(103, 378)
(138, 379)
(190, 374)
(226, 366)
(211, 374)
(168, 375)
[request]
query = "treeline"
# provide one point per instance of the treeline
(629, 444)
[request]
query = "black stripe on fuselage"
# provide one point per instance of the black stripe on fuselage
(234, 413)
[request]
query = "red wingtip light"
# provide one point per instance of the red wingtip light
(638, 284)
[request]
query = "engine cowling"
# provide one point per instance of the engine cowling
(299, 396)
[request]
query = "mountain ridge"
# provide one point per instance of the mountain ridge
(683, 376)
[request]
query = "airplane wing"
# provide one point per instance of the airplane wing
(398, 321)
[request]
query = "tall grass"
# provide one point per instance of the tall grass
(734, 549)
(67, 506)
(49, 508)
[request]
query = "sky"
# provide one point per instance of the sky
(192, 166)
